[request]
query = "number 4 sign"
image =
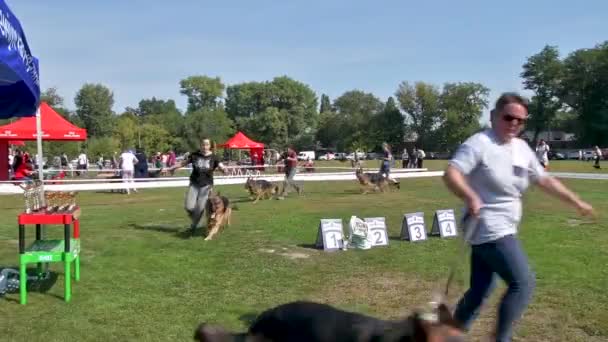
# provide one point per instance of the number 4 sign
(330, 236)
(413, 228)
(444, 224)
(377, 230)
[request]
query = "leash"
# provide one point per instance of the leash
(471, 224)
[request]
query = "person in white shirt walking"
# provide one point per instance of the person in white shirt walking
(542, 153)
(127, 164)
(598, 156)
(420, 157)
(83, 162)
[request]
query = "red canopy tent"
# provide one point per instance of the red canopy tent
(242, 142)
(54, 127)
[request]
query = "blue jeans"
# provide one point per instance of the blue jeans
(505, 258)
(289, 175)
(385, 168)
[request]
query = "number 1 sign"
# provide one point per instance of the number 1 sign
(413, 228)
(330, 236)
(377, 230)
(444, 223)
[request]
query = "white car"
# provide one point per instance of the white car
(305, 155)
(328, 156)
(351, 156)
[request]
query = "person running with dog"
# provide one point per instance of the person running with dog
(385, 167)
(490, 171)
(204, 162)
(291, 166)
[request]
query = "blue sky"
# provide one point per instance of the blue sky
(143, 48)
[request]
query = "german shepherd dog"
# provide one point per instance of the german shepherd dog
(375, 181)
(312, 322)
(260, 188)
(219, 212)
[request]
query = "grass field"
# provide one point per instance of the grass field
(437, 165)
(144, 280)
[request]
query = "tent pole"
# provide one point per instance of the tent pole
(39, 147)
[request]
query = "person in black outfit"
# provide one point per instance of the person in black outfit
(141, 167)
(204, 162)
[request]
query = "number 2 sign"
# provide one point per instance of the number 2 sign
(377, 231)
(413, 228)
(329, 235)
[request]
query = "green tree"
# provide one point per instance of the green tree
(330, 131)
(212, 124)
(585, 90)
(299, 101)
(247, 99)
(389, 125)
(462, 105)
(270, 126)
(356, 110)
(52, 97)
(94, 109)
(160, 112)
(155, 138)
(325, 104)
(421, 104)
(296, 100)
(543, 73)
(127, 131)
(203, 92)
(101, 146)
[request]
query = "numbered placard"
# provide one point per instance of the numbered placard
(329, 235)
(444, 224)
(413, 228)
(377, 230)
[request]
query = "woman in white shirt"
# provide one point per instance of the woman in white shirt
(598, 156)
(127, 164)
(542, 153)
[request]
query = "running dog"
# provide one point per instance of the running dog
(375, 181)
(260, 188)
(313, 322)
(219, 212)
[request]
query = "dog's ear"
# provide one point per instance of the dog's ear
(208, 333)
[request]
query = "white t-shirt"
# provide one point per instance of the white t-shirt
(499, 173)
(542, 153)
(82, 159)
(128, 161)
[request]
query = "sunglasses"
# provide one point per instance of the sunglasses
(511, 118)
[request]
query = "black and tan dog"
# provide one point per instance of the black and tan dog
(260, 188)
(219, 212)
(375, 181)
(313, 322)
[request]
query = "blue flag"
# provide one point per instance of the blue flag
(19, 78)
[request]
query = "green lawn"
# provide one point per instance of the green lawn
(142, 280)
(439, 165)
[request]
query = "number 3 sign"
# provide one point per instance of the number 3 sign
(413, 228)
(330, 236)
(377, 231)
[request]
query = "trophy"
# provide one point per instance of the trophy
(71, 200)
(33, 196)
(51, 201)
